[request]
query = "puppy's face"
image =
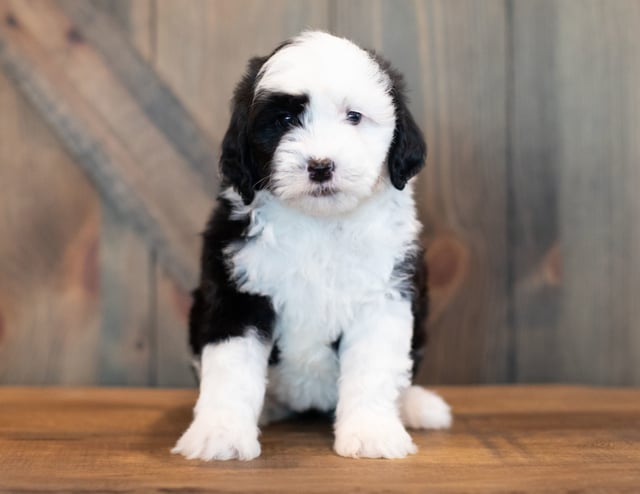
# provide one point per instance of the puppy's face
(324, 106)
(321, 127)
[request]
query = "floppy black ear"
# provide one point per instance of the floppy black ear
(408, 149)
(237, 163)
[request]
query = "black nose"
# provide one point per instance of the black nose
(320, 170)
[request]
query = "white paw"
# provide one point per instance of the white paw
(213, 438)
(373, 438)
(422, 409)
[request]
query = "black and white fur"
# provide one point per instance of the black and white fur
(312, 293)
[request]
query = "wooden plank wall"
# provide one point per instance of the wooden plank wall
(49, 231)
(529, 199)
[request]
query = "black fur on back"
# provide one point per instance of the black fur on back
(412, 271)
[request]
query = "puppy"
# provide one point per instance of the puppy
(312, 293)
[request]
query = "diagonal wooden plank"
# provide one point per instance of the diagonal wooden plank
(49, 255)
(137, 20)
(154, 96)
(110, 134)
(202, 48)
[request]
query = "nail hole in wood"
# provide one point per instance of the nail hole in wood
(74, 36)
(11, 20)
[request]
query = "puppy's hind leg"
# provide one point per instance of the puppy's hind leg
(423, 409)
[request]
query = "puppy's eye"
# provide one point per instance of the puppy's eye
(354, 117)
(288, 120)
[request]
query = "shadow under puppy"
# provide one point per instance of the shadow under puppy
(312, 293)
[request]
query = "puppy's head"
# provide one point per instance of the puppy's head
(322, 124)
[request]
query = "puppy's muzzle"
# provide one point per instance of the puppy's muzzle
(320, 170)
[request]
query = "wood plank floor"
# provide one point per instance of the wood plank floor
(505, 439)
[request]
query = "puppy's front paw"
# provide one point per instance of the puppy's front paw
(211, 438)
(373, 438)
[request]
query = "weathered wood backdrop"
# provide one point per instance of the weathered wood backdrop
(110, 117)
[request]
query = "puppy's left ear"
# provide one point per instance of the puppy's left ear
(237, 164)
(408, 149)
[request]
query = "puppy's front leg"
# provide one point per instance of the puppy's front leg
(374, 369)
(232, 388)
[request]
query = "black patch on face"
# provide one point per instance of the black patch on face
(219, 310)
(253, 133)
(412, 271)
(272, 116)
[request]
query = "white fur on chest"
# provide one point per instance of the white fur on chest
(319, 273)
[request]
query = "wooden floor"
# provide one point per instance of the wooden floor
(505, 439)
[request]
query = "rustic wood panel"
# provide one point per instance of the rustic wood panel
(529, 197)
(128, 333)
(599, 103)
(203, 47)
(453, 55)
(154, 98)
(156, 352)
(173, 361)
(169, 357)
(504, 439)
(137, 19)
(534, 251)
(126, 155)
(49, 277)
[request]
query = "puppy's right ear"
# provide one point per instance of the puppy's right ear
(237, 164)
(408, 150)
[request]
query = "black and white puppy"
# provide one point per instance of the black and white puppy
(312, 293)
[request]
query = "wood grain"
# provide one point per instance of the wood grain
(535, 254)
(128, 343)
(136, 19)
(203, 47)
(124, 153)
(531, 111)
(505, 439)
(49, 276)
(575, 161)
(453, 56)
(172, 304)
(153, 96)
(144, 310)
(128, 332)
(599, 100)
